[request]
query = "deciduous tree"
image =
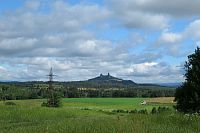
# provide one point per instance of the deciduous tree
(187, 96)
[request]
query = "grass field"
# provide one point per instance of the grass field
(116, 103)
(94, 115)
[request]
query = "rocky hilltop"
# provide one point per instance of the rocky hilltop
(111, 80)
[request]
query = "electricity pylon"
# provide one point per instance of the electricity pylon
(51, 79)
(50, 97)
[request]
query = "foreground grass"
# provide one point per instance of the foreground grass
(28, 116)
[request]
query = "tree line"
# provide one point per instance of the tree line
(38, 90)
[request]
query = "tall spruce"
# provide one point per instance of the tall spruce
(187, 95)
(53, 97)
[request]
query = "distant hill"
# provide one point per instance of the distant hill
(108, 79)
(170, 84)
(100, 82)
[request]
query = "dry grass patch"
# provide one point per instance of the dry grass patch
(161, 100)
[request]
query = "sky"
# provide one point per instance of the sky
(146, 41)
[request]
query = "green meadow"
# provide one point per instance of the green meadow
(113, 103)
(95, 115)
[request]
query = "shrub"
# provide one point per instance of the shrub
(162, 109)
(44, 104)
(154, 110)
(10, 103)
(133, 111)
(86, 109)
(120, 111)
(143, 111)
